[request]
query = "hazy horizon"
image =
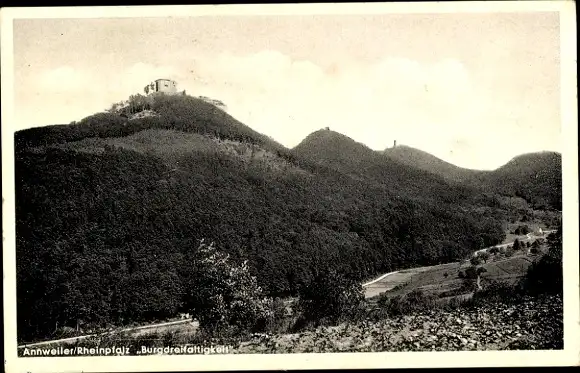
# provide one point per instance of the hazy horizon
(472, 89)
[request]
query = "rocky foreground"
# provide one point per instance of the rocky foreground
(530, 325)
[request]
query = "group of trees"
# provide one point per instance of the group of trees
(545, 275)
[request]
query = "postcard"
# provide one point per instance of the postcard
(290, 186)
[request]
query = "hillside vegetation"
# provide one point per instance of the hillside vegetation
(110, 212)
(527, 315)
(338, 152)
(536, 177)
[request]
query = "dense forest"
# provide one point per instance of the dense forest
(535, 177)
(110, 211)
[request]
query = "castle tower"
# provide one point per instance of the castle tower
(166, 86)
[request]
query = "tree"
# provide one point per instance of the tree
(475, 260)
(472, 278)
(522, 230)
(494, 250)
(484, 256)
(516, 245)
(224, 293)
(508, 252)
(330, 296)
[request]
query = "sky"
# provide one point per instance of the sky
(473, 89)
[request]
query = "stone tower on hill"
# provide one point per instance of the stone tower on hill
(166, 86)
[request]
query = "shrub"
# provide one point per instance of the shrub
(329, 298)
(484, 256)
(471, 272)
(496, 292)
(475, 260)
(413, 302)
(278, 323)
(522, 229)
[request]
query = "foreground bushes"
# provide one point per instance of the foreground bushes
(328, 299)
(415, 301)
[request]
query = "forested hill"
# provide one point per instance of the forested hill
(428, 162)
(109, 211)
(536, 177)
(182, 113)
(339, 152)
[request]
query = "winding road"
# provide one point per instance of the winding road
(528, 236)
(80, 337)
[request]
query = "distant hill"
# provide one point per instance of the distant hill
(343, 154)
(536, 177)
(427, 162)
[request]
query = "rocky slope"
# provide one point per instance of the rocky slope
(530, 325)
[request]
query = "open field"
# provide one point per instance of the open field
(445, 277)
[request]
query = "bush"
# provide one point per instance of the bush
(330, 298)
(484, 256)
(522, 230)
(279, 321)
(475, 261)
(496, 292)
(473, 271)
(413, 302)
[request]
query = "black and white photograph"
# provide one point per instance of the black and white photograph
(290, 186)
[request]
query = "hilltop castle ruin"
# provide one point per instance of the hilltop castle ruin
(169, 87)
(166, 86)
